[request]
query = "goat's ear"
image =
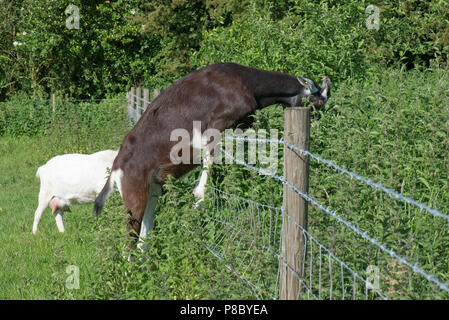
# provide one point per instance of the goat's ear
(308, 83)
(303, 82)
(326, 88)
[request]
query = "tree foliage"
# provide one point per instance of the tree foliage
(122, 43)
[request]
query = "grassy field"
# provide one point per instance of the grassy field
(35, 266)
(392, 128)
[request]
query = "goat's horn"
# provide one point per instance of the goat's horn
(302, 81)
(326, 81)
(326, 87)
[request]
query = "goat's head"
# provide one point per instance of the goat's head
(313, 94)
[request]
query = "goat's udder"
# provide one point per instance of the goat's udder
(57, 204)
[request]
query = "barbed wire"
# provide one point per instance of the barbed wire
(343, 264)
(138, 107)
(414, 267)
(230, 230)
(366, 181)
(141, 99)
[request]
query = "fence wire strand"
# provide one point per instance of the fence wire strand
(236, 233)
(356, 176)
(414, 267)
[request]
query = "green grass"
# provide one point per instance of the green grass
(34, 266)
(392, 128)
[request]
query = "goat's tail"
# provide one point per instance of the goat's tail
(38, 176)
(102, 196)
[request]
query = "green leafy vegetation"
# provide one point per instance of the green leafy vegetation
(390, 129)
(387, 120)
(123, 43)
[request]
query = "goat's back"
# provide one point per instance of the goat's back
(77, 176)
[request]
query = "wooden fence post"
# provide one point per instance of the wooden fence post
(131, 99)
(156, 92)
(138, 100)
(132, 92)
(296, 172)
(53, 102)
(146, 97)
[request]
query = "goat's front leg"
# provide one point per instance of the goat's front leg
(57, 210)
(200, 189)
(58, 218)
(211, 137)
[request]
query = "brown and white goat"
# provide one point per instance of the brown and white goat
(218, 96)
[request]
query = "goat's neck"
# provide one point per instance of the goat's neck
(275, 87)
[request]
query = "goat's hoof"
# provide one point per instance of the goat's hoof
(129, 258)
(198, 205)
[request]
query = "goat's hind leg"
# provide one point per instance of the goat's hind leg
(57, 209)
(43, 204)
(147, 226)
(44, 200)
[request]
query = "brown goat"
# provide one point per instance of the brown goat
(218, 96)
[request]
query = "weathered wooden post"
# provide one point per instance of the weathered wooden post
(296, 172)
(132, 92)
(131, 106)
(156, 92)
(53, 102)
(146, 98)
(139, 101)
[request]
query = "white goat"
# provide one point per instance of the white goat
(71, 179)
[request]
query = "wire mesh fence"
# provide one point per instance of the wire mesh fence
(382, 272)
(247, 236)
(34, 117)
